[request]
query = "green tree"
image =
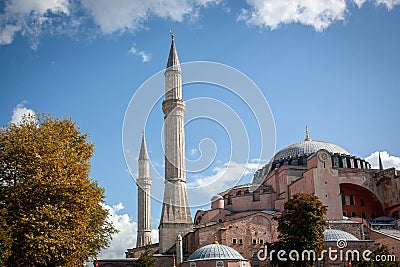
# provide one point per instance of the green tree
(146, 259)
(382, 250)
(301, 227)
(52, 205)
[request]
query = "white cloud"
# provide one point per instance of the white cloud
(388, 161)
(8, 33)
(388, 3)
(145, 56)
(119, 15)
(41, 6)
(19, 111)
(359, 3)
(31, 18)
(34, 18)
(154, 236)
(273, 13)
(122, 15)
(223, 176)
(126, 237)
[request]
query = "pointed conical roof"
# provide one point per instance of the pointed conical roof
(173, 60)
(380, 162)
(143, 149)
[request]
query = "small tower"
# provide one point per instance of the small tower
(175, 217)
(380, 162)
(307, 135)
(143, 183)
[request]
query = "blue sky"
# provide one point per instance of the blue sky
(331, 65)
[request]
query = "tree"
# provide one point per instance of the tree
(381, 251)
(5, 240)
(146, 259)
(52, 206)
(301, 227)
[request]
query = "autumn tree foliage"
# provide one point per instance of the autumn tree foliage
(301, 227)
(52, 208)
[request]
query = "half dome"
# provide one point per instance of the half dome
(215, 252)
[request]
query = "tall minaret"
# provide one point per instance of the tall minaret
(175, 218)
(143, 183)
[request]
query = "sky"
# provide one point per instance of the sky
(278, 66)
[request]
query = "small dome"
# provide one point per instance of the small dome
(307, 148)
(216, 197)
(215, 252)
(335, 235)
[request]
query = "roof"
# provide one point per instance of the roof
(307, 148)
(173, 60)
(216, 197)
(298, 150)
(215, 252)
(335, 235)
(143, 149)
(382, 219)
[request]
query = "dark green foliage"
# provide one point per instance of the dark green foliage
(301, 227)
(146, 259)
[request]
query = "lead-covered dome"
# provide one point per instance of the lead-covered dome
(215, 252)
(307, 148)
(335, 235)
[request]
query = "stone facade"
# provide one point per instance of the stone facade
(175, 217)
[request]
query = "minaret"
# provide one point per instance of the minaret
(380, 162)
(175, 217)
(143, 183)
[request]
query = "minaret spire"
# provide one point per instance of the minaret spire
(173, 60)
(307, 136)
(143, 149)
(175, 218)
(380, 162)
(143, 183)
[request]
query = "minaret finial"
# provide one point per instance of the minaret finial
(307, 136)
(142, 132)
(216, 240)
(172, 35)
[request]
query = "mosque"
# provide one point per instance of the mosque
(363, 204)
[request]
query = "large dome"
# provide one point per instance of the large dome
(297, 154)
(215, 252)
(307, 148)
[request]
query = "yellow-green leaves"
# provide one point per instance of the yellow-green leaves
(51, 205)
